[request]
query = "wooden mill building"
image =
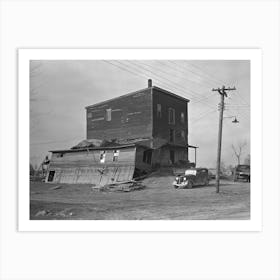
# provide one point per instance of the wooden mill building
(142, 130)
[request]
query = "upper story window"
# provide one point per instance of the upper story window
(182, 117)
(183, 134)
(108, 115)
(171, 116)
(159, 110)
(89, 114)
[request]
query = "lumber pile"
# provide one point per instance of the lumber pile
(127, 186)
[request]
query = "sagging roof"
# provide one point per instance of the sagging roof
(116, 147)
(138, 91)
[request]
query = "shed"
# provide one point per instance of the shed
(97, 165)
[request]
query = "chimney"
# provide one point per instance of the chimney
(150, 83)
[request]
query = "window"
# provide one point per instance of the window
(159, 110)
(102, 156)
(183, 134)
(51, 176)
(89, 115)
(171, 135)
(147, 156)
(171, 116)
(172, 156)
(116, 155)
(108, 116)
(182, 117)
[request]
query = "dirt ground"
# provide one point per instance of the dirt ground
(157, 201)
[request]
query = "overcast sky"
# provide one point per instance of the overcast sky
(60, 90)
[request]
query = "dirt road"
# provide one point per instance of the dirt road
(159, 200)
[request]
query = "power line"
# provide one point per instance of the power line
(181, 75)
(124, 67)
(210, 82)
(173, 84)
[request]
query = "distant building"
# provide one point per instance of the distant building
(144, 130)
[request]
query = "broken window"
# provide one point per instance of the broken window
(51, 176)
(108, 116)
(171, 135)
(182, 117)
(171, 116)
(159, 110)
(102, 156)
(147, 156)
(116, 155)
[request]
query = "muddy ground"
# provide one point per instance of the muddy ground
(158, 200)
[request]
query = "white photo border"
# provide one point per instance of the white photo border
(255, 221)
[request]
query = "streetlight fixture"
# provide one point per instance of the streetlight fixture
(231, 117)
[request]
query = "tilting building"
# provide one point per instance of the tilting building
(127, 136)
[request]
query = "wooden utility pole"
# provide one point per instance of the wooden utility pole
(223, 93)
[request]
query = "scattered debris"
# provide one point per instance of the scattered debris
(56, 187)
(120, 187)
(64, 213)
(42, 213)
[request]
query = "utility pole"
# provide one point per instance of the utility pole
(223, 93)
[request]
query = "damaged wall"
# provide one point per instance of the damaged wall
(91, 167)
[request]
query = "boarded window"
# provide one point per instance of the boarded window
(102, 156)
(171, 135)
(171, 116)
(51, 176)
(159, 110)
(108, 116)
(89, 115)
(116, 155)
(182, 117)
(147, 156)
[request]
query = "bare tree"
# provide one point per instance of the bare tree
(247, 160)
(238, 150)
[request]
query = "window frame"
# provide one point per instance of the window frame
(182, 117)
(159, 111)
(171, 116)
(108, 115)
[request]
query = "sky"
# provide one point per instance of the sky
(61, 89)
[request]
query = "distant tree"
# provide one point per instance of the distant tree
(247, 160)
(238, 150)
(222, 167)
(31, 170)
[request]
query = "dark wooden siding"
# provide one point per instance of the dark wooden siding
(161, 127)
(131, 117)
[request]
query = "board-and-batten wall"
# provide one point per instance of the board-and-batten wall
(84, 167)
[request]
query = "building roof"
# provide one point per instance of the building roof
(116, 147)
(138, 91)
